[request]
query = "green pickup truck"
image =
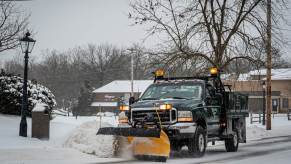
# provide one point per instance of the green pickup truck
(192, 111)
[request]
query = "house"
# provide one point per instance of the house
(107, 97)
(253, 84)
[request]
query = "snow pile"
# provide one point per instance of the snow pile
(84, 139)
(61, 128)
(255, 132)
(40, 107)
(280, 127)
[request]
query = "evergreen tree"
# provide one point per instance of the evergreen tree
(11, 94)
(83, 107)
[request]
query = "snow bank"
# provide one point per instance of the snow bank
(40, 107)
(254, 132)
(84, 138)
(280, 127)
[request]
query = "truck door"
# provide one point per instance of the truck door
(213, 113)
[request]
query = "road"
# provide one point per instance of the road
(269, 150)
(266, 151)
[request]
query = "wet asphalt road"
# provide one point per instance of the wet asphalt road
(248, 152)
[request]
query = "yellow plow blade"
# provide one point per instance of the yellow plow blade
(151, 146)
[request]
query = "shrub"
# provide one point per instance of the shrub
(11, 94)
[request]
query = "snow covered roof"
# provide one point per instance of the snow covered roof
(277, 74)
(123, 86)
(108, 104)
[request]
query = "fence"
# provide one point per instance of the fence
(289, 114)
(256, 117)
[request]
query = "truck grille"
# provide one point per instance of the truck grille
(166, 116)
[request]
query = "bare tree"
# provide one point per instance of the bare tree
(218, 31)
(13, 22)
(65, 72)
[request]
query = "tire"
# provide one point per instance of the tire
(197, 145)
(151, 158)
(231, 144)
(176, 146)
(161, 159)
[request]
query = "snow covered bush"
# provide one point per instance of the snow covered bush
(11, 94)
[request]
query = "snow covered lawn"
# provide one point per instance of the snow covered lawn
(68, 139)
(61, 128)
(280, 127)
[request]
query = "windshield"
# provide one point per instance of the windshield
(173, 91)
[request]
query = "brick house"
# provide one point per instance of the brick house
(252, 85)
(108, 96)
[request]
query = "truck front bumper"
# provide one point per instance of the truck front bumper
(176, 131)
(181, 130)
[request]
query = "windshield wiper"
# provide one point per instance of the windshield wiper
(149, 98)
(179, 98)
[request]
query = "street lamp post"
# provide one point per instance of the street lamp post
(264, 102)
(27, 44)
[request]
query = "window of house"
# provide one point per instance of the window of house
(285, 103)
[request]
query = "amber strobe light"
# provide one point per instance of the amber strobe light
(123, 107)
(213, 71)
(159, 73)
(166, 106)
(123, 120)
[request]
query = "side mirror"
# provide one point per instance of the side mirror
(208, 100)
(131, 100)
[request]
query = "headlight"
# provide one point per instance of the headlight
(166, 107)
(123, 107)
(185, 116)
(122, 118)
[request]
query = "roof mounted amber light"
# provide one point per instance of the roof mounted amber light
(214, 71)
(159, 73)
(166, 107)
(123, 107)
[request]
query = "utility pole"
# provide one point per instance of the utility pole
(269, 64)
(131, 57)
(130, 50)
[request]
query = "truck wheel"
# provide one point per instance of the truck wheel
(176, 147)
(231, 144)
(151, 158)
(197, 145)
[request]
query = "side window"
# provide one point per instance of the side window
(285, 103)
(210, 91)
(215, 111)
(207, 93)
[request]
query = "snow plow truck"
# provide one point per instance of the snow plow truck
(182, 111)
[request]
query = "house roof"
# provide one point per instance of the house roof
(107, 104)
(124, 86)
(277, 74)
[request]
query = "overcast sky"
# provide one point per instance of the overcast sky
(64, 24)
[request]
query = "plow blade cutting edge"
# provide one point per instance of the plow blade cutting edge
(130, 132)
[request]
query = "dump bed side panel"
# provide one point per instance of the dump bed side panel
(236, 104)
